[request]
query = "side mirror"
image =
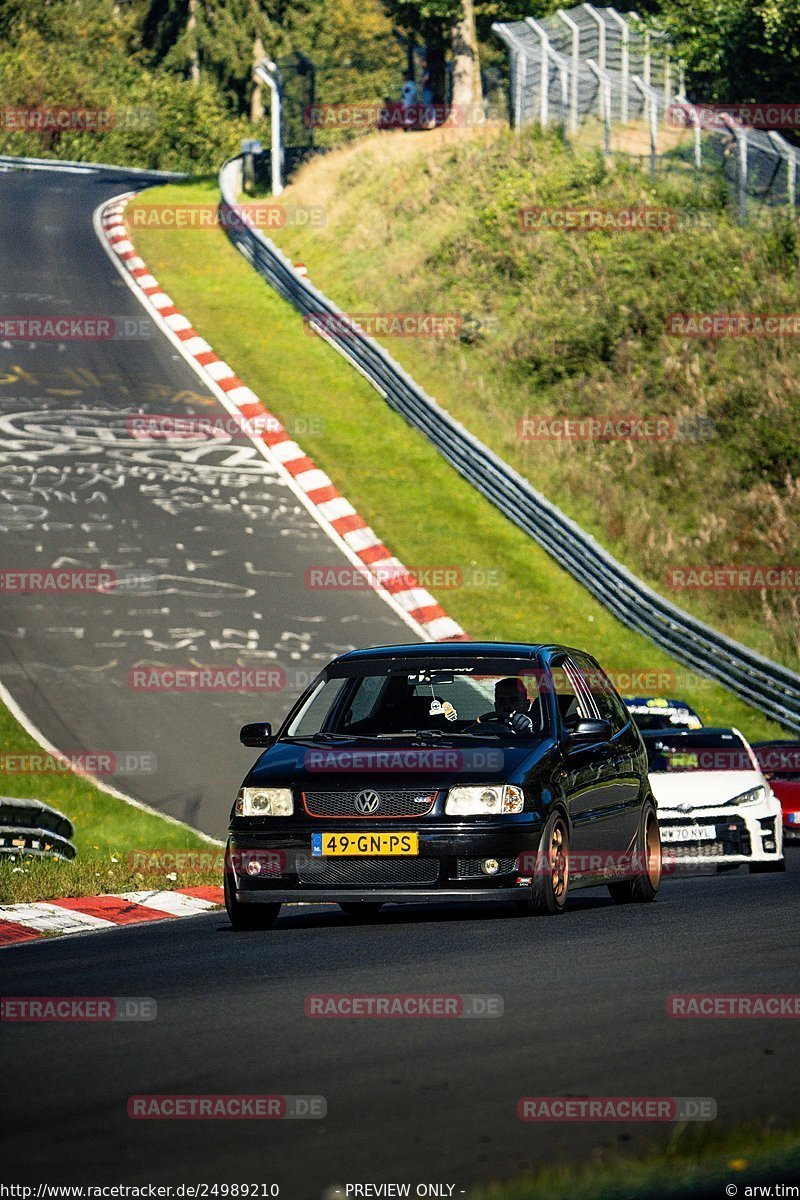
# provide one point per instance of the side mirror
(590, 729)
(258, 734)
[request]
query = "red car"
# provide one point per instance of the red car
(780, 762)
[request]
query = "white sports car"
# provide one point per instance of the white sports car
(715, 807)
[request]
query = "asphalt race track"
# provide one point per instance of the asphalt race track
(213, 543)
(418, 1100)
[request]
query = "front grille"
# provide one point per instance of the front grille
(332, 872)
(391, 804)
(470, 868)
(731, 838)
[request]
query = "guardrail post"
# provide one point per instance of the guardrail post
(576, 52)
(544, 42)
(652, 111)
(604, 90)
(623, 24)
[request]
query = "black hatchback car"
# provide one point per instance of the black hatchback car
(445, 771)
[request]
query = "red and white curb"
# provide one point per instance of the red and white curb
(88, 914)
(334, 513)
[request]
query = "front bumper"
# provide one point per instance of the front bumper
(791, 826)
(752, 833)
(448, 866)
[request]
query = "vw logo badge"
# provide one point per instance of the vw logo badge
(367, 802)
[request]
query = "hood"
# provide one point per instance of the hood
(327, 766)
(702, 789)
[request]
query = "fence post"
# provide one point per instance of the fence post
(623, 24)
(667, 78)
(604, 90)
(681, 81)
(267, 72)
(576, 51)
(788, 153)
(601, 48)
(519, 68)
(742, 164)
(646, 61)
(544, 42)
(652, 112)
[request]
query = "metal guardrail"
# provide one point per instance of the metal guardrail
(31, 828)
(768, 686)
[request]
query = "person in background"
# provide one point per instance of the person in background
(408, 93)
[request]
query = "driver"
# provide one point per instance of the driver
(512, 705)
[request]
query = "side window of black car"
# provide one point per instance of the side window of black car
(608, 703)
(571, 703)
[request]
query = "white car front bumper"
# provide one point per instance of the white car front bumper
(707, 836)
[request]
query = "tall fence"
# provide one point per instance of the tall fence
(768, 686)
(587, 64)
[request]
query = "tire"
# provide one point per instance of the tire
(643, 888)
(361, 910)
(547, 895)
(248, 916)
(774, 867)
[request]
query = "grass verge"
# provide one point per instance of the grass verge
(694, 1163)
(108, 832)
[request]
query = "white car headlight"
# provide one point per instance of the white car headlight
(265, 802)
(487, 801)
(752, 796)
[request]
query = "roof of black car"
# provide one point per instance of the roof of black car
(455, 650)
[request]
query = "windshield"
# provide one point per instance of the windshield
(700, 751)
(471, 698)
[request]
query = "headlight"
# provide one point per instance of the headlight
(753, 796)
(265, 802)
(489, 801)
